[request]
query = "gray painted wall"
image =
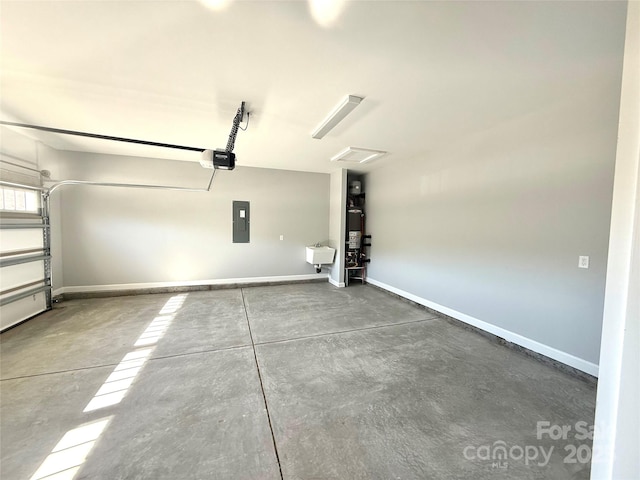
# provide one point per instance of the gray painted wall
(123, 236)
(492, 225)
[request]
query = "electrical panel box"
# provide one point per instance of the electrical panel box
(240, 222)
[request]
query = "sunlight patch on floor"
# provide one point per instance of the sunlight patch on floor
(67, 457)
(71, 452)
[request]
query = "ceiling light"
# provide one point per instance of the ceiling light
(326, 12)
(216, 4)
(357, 155)
(336, 116)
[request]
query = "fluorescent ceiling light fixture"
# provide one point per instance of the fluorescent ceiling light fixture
(357, 155)
(337, 115)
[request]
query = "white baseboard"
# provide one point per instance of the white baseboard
(566, 358)
(336, 284)
(192, 283)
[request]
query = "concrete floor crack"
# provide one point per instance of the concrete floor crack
(264, 397)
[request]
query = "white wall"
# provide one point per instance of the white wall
(338, 202)
(133, 237)
(617, 439)
(489, 229)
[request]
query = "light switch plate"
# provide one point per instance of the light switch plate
(583, 261)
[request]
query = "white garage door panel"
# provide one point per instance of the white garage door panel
(20, 310)
(20, 241)
(16, 240)
(24, 255)
(21, 274)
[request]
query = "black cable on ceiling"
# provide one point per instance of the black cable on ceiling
(102, 137)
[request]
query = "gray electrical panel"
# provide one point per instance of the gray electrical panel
(240, 222)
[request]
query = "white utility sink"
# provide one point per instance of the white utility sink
(320, 255)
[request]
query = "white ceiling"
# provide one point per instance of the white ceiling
(176, 72)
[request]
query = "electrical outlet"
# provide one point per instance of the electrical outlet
(583, 261)
(281, 237)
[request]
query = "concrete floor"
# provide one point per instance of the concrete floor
(358, 385)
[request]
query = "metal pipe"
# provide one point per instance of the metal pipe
(211, 180)
(55, 186)
(62, 183)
